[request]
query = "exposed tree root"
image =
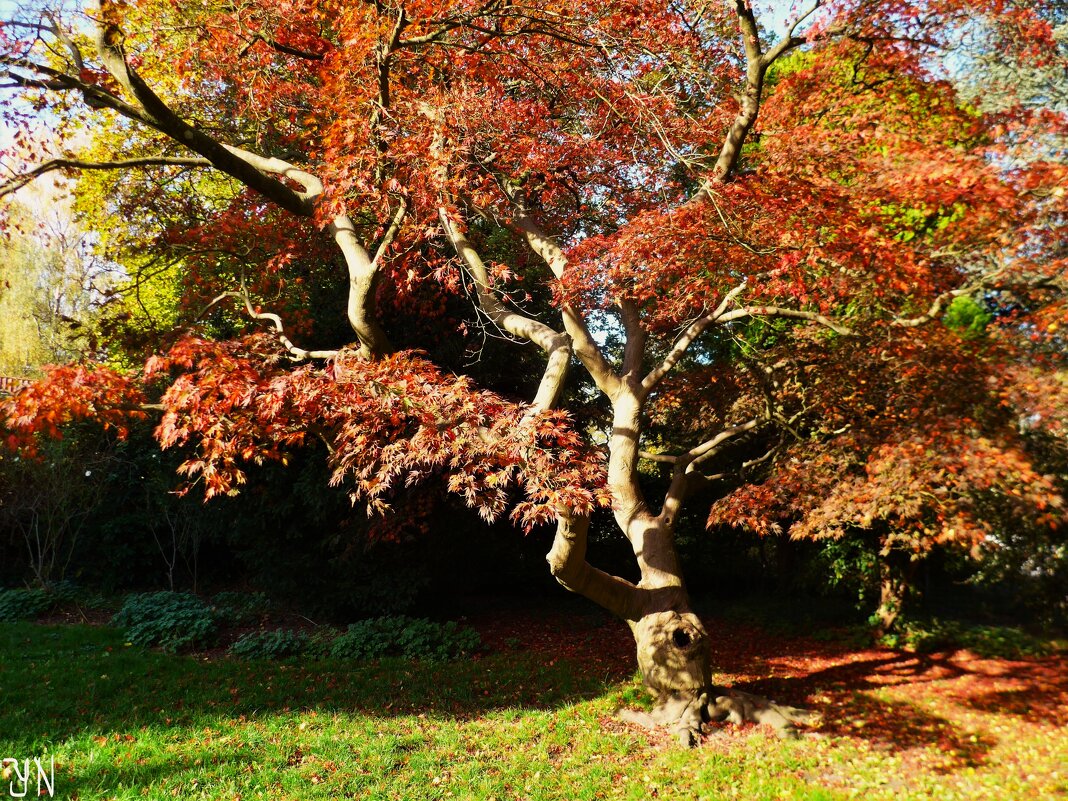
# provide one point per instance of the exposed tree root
(688, 716)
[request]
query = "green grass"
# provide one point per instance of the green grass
(124, 722)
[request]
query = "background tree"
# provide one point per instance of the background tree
(760, 232)
(49, 288)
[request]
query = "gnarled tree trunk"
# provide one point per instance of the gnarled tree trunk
(674, 649)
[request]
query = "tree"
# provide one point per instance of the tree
(750, 244)
(46, 288)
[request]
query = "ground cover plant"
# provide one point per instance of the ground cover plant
(271, 644)
(171, 620)
(411, 638)
(533, 719)
(22, 604)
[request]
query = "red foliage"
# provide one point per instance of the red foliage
(389, 424)
(69, 393)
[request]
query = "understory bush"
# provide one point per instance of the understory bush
(171, 620)
(23, 604)
(411, 638)
(276, 644)
(936, 634)
(239, 608)
(320, 641)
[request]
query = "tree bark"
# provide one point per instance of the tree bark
(896, 583)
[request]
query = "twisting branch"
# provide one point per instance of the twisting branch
(585, 347)
(790, 40)
(233, 161)
(46, 77)
(390, 235)
(757, 63)
(742, 468)
(557, 346)
(567, 562)
(685, 465)
(254, 171)
(298, 354)
(934, 311)
(709, 448)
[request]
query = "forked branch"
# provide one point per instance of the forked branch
(556, 345)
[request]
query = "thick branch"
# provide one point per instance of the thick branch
(634, 346)
(756, 67)
(790, 40)
(709, 448)
(363, 281)
(749, 100)
(256, 171)
(585, 347)
(58, 81)
(154, 111)
(567, 562)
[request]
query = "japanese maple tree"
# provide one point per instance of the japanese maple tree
(750, 242)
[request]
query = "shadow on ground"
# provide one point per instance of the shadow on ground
(851, 689)
(75, 680)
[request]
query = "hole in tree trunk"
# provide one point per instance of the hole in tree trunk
(680, 638)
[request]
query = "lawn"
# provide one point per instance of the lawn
(529, 719)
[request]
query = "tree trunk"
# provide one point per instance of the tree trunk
(896, 583)
(673, 647)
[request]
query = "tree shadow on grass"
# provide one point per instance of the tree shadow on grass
(845, 692)
(1037, 704)
(897, 726)
(65, 682)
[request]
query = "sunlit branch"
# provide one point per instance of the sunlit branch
(235, 162)
(790, 40)
(59, 81)
(685, 464)
(934, 311)
(556, 345)
(746, 465)
(778, 311)
(587, 350)
(567, 562)
(298, 354)
(390, 236)
(709, 448)
(253, 170)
